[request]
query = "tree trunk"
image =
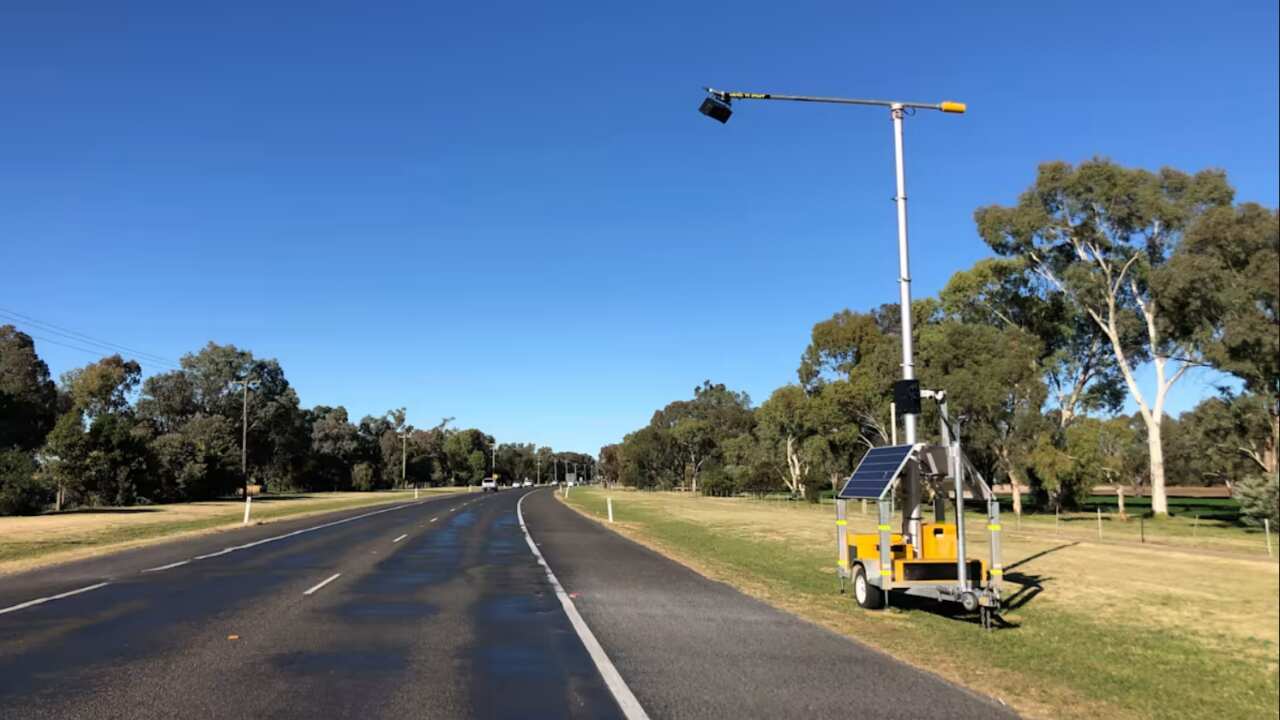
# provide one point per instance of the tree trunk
(1013, 481)
(1159, 502)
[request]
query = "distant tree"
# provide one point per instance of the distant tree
(28, 398)
(786, 423)
(335, 443)
(199, 460)
(1223, 285)
(1076, 358)
(1102, 236)
(103, 386)
(21, 490)
(97, 450)
(698, 426)
(611, 463)
(994, 387)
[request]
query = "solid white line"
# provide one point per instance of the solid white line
(434, 519)
(631, 708)
(59, 596)
(170, 566)
(322, 583)
(400, 538)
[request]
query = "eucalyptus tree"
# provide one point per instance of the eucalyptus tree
(1102, 236)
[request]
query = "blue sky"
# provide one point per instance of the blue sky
(511, 213)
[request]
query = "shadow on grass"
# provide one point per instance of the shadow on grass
(1040, 554)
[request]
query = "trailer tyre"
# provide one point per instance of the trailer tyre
(868, 596)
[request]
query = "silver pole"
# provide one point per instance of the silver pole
(912, 517)
(904, 270)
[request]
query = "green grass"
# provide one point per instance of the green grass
(1055, 663)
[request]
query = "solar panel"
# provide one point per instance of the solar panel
(878, 468)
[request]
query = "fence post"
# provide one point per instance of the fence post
(1099, 523)
(1266, 525)
(1195, 529)
(1142, 528)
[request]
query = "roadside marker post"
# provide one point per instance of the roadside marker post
(609, 502)
(1266, 526)
(415, 492)
(248, 503)
(1099, 523)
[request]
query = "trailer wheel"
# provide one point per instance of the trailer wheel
(868, 596)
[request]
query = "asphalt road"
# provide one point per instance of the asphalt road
(433, 609)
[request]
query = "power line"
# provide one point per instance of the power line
(72, 336)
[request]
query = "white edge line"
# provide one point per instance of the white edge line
(170, 566)
(322, 583)
(627, 702)
(59, 596)
(400, 538)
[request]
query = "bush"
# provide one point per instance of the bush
(1259, 497)
(21, 492)
(716, 483)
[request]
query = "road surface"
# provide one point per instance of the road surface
(430, 609)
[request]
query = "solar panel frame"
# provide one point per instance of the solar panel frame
(877, 471)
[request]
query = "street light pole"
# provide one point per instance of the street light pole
(718, 106)
(904, 268)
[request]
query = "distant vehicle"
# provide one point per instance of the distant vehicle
(489, 484)
(528, 482)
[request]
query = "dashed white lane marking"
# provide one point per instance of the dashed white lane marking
(627, 702)
(170, 566)
(322, 583)
(434, 519)
(400, 538)
(59, 596)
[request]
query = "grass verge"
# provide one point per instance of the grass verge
(1103, 630)
(30, 542)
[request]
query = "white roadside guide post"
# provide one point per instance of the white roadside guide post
(717, 106)
(609, 502)
(248, 503)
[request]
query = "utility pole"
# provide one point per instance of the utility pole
(244, 434)
(538, 463)
(404, 455)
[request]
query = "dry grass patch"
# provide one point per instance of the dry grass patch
(30, 542)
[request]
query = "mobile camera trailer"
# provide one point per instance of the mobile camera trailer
(927, 559)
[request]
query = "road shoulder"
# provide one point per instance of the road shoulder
(690, 646)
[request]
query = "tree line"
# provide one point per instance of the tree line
(1097, 270)
(104, 436)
